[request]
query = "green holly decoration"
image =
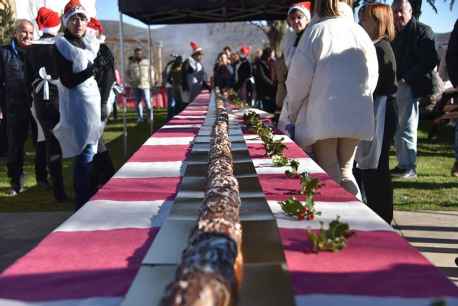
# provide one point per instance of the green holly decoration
(276, 147)
(309, 185)
(333, 239)
(279, 161)
(294, 164)
(293, 208)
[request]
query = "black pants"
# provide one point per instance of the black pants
(102, 167)
(48, 116)
(41, 171)
(375, 184)
(3, 130)
(17, 130)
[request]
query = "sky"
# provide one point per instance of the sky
(440, 23)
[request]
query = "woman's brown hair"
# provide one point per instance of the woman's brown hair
(329, 8)
(382, 15)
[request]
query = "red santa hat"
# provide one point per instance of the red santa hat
(48, 21)
(96, 25)
(73, 8)
(303, 7)
(245, 51)
(196, 48)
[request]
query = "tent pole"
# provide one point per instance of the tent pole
(151, 125)
(124, 113)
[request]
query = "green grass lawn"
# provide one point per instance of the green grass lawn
(434, 189)
(35, 198)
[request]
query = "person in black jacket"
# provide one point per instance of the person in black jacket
(103, 168)
(265, 87)
(416, 57)
(39, 64)
(222, 72)
(244, 85)
(373, 171)
(451, 60)
(16, 101)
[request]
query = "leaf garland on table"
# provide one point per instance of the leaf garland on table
(294, 164)
(273, 147)
(332, 239)
(280, 161)
(307, 210)
(295, 208)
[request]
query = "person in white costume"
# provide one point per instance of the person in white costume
(330, 84)
(298, 18)
(80, 127)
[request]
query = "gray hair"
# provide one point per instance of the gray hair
(20, 22)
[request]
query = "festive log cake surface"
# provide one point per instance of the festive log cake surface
(211, 266)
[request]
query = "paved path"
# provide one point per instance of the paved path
(434, 234)
(21, 232)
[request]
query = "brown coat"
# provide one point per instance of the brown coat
(281, 72)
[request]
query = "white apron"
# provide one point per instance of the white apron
(368, 152)
(79, 107)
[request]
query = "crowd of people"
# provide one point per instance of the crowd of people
(346, 91)
(61, 85)
(342, 90)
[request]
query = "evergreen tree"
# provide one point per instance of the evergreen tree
(6, 21)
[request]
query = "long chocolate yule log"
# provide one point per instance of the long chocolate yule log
(211, 266)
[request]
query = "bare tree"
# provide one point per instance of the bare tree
(274, 30)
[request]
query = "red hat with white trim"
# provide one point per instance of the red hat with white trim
(96, 25)
(196, 48)
(48, 21)
(73, 8)
(245, 51)
(303, 7)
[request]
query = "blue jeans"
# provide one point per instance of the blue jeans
(139, 95)
(82, 171)
(405, 140)
(455, 146)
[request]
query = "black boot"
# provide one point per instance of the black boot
(55, 169)
(103, 169)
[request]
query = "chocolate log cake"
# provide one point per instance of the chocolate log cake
(211, 266)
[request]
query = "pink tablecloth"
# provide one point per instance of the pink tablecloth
(92, 258)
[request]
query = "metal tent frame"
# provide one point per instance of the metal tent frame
(193, 11)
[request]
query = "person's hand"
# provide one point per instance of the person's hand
(291, 129)
(450, 108)
(439, 120)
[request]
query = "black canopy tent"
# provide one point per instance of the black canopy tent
(198, 11)
(164, 12)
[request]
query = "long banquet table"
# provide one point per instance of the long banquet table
(93, 257)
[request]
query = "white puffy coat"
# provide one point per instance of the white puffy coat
(331, 80)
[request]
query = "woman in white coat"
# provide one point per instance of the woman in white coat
(330, 83)
(299, 16)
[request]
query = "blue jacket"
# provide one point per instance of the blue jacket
(12, 82)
